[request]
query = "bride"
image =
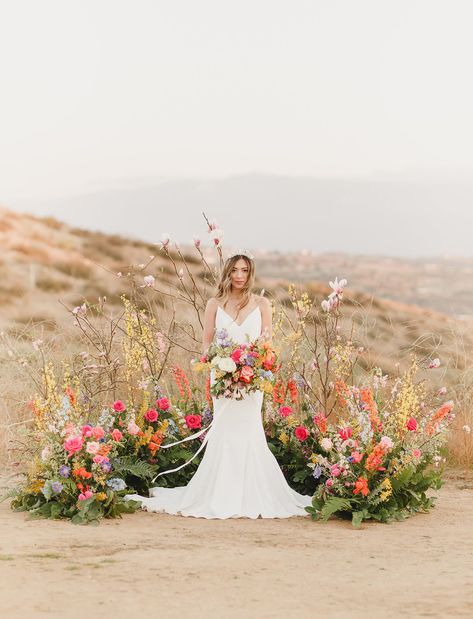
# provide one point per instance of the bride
(238, 476)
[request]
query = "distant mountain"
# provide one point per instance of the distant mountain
(363, 216)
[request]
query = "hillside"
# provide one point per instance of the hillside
(46, 264)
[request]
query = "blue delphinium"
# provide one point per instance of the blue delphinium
(116, 484)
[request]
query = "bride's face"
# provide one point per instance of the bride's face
(239, 274)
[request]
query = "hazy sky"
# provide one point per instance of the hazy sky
(104, 93)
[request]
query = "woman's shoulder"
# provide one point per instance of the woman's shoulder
(212, 303)
(262, 302)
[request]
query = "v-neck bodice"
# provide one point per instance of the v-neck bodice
(250, 328)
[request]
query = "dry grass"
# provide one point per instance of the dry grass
(74, 268)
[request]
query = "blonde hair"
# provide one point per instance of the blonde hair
(224, 285)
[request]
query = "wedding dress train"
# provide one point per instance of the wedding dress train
(238, 475)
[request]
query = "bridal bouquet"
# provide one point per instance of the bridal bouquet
(239, 368)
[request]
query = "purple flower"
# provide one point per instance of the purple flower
(317, 472)
(57, 487)
(64, 470)
(106, 466)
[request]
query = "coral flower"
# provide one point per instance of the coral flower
(361, 485)
(73, 445)
(246, 373)
(117, 435)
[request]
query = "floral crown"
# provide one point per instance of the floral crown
(240, 252)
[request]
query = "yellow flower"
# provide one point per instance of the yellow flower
(387, 489)
(101, 496)
(283, 437)
(314, 458)
(35, 486)
(291, 421)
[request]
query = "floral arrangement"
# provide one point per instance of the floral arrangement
(81, 470)
(365, 445)
(239, 368)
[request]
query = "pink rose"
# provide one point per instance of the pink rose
(98, 433)
(301, 433)
(285, 411)
(335, 471)
(132, 428)
(98, 459)
(73, 445)
(345, 433)
(86, 431)
(118, 406)
(193, 421)
(416, 453)
(236, 355)
(85, 495)
(411, 424)
(117, 435)
(329, 483)
(246, 373)
(357, 456)
(92, 447)
(163, 404)
(151, 415)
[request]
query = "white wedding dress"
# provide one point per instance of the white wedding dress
(238, 476)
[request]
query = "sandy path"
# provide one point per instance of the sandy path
(169, 566)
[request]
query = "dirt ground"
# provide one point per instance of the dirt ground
(158, 565)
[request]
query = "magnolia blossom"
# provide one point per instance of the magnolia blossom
(337, 287)
(148, 281)
(442, 391)
(196, 241)
(467, 429)
(216, 234)
(80, 310)
(435, 363)
(181, 274)
(165, 239)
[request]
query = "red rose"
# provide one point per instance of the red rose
(193, 421)
(151, 415)
(301, 433)
(162, 404)
(118, 406)
(285, 411)
(345, 433)
(411, 424)
(246, 373)
(117, 435)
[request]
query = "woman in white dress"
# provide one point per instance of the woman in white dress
(238, 477)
